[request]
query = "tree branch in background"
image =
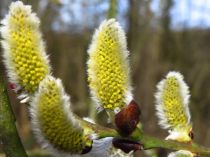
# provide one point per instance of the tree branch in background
(112, 12)
(9, 137)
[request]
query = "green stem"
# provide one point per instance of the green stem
(9, 138)
(150, 142)
(101, 131)
(112, 12)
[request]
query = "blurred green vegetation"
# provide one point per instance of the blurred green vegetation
(155, 48)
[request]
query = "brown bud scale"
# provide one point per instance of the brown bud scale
(127, 119)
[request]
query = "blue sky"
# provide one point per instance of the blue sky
(185, 13)
(190, 13)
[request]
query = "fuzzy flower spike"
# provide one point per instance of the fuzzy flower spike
(24, 51)
(172, 99)
(53, 123)
(108, 69)
(58, 129)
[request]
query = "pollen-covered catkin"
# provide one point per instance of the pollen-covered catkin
(108, 69)
(53, 122)
(172, 105)
(24, 52)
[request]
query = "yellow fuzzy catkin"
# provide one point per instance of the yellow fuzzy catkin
(52, 120)
(24, 52)
(108, 71)
(172, 101)
(173, 105)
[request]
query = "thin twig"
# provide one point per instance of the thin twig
(150, 142)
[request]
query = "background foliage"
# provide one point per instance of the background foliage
(156, 46)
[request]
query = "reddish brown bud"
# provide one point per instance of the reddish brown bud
(126, 145)
(127, 119)
(12, 86)
(87, 149)
(191, 134)
(16, 88)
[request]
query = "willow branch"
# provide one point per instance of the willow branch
(9, 137)
(150, 142)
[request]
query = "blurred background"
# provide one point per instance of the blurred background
(162, 35)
